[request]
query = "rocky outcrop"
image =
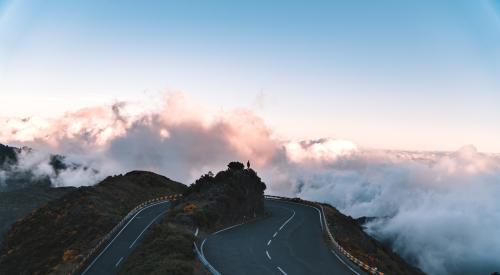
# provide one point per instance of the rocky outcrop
(230, 196)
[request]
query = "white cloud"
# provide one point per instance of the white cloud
(440, 210)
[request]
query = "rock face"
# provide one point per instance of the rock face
(52, 238)
(210, 203)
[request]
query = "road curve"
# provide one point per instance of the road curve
(290, 241)
(126, 240)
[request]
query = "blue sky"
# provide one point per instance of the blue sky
(386, 74)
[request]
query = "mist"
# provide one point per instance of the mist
(438, 210)
(180, 139)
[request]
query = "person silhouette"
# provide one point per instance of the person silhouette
(248, 164)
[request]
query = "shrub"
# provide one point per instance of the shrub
(235, 165)
(69, 255)
(190, 207)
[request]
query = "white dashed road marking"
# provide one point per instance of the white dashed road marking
(119, 261)
(144, 230)
(287, 221)
(281, 270)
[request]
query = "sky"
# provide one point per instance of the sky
(303, 89)
(414, 75)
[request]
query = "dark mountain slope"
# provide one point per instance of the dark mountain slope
(15, 204)
(350, 235)
(53, 238)
(21, 191)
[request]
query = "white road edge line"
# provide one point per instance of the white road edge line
(287, 221)
(268, 256)
(205, 262)
(322, 217)
(281, 270)
(335, 253)
(146, 228)
(340, 259)
(275, 233)
(96, 258)
(196, 233)
(269, 242)
(301, 204)
(202, 244)
(119, 261)
(222, 230)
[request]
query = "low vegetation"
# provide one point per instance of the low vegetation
(15, 204)
(53, 238)
(231, 196)
(350, 235)
(21, 191)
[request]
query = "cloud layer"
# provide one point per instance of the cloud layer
(181, 139)
(438, 210)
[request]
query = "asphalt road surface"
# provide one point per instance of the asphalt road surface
(290, 241)
(126, 240)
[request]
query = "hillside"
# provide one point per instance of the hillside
(16, 204)
(212, 202)
(53, 238)
(230, 197)
(350, 236)
(21, 191)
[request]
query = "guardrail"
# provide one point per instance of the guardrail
(361, 264)
(110, 234)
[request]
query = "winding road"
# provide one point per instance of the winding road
(126, 240)
(290, 241)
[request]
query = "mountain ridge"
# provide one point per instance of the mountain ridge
(55, 237)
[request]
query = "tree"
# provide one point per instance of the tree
(235, 165)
